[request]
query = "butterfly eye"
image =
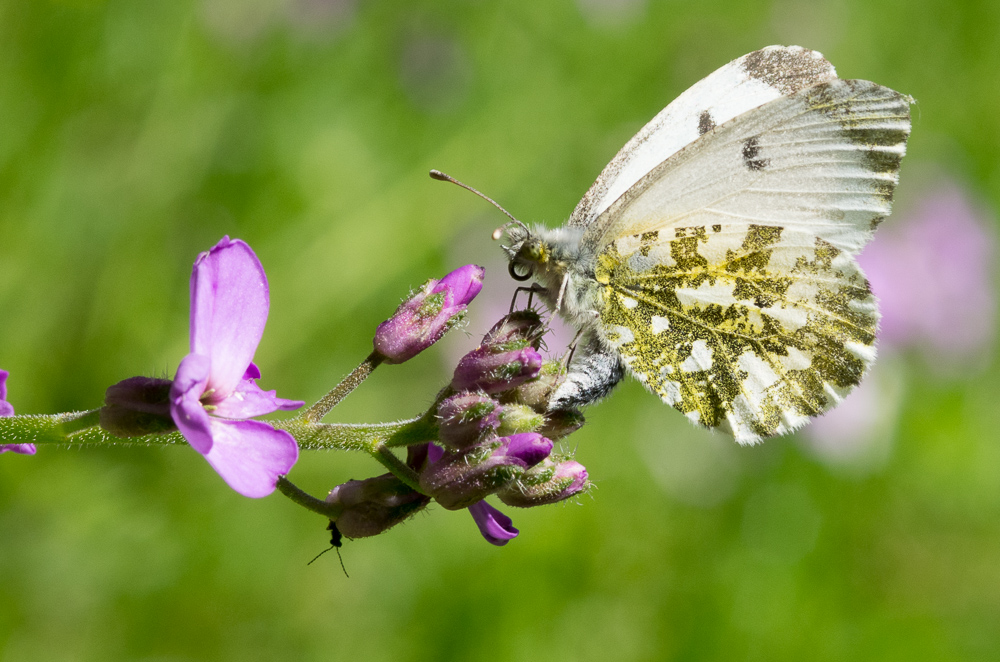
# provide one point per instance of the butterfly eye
(518, 274)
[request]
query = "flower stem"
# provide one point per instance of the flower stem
(78, 428)
(400, 469)
(307, 501)
(316, 413)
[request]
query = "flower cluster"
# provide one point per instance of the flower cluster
(491, 431)
(494, 436)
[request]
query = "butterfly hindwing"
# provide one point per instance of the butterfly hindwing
(748, 328)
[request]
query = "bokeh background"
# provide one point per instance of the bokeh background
(135, 134)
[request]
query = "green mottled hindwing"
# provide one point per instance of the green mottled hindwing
(747, 328)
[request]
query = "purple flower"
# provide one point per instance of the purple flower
(424, 318)
(496, 527)
(6, 409)
(229, 304)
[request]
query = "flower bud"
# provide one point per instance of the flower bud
(548, 482)
(466, 419)
(458, 480)
(524, 326)
(516, 419)
(485, 369)
(529, 447)
(561, 422)
(424, 318)
(497, 528)
(374, 505)
(464, 283)
(137, 406)
(537, 392)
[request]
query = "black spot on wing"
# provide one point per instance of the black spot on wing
(751, 154)
(705, 122)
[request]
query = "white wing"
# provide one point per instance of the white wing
(740, 86)
(824, 160)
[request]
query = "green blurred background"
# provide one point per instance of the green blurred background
(135, 134)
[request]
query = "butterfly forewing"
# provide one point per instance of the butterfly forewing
(743, 84)
(824, 160)
(747, 328)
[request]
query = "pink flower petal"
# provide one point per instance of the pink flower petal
(248, 400)
(185, 402)
(250, 455)
(229, 304)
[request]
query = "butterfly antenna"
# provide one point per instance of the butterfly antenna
(440, 176)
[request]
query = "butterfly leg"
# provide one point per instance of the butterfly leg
(562, 292)
(535, 287)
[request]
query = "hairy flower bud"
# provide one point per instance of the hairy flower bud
(374, 505)
(458, 480)
(466, 418)
(492, 371)
(424, 318)
(549, 482)
(561, 422)
(523, 326)
(515, 419)
(137, 406)
(537, 392)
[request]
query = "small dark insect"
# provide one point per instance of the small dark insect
(336, 542)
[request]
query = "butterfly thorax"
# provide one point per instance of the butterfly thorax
(564, 277)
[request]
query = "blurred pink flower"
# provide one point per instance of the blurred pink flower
(932, 271)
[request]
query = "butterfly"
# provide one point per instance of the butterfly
(714, 257)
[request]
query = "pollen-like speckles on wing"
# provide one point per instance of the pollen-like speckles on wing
(705, 122)
(751, 329)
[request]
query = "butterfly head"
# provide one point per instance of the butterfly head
(527, 252)
(542, 253)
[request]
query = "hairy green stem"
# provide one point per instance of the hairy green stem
(316, 413)
(76, 428)
(397, 467)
